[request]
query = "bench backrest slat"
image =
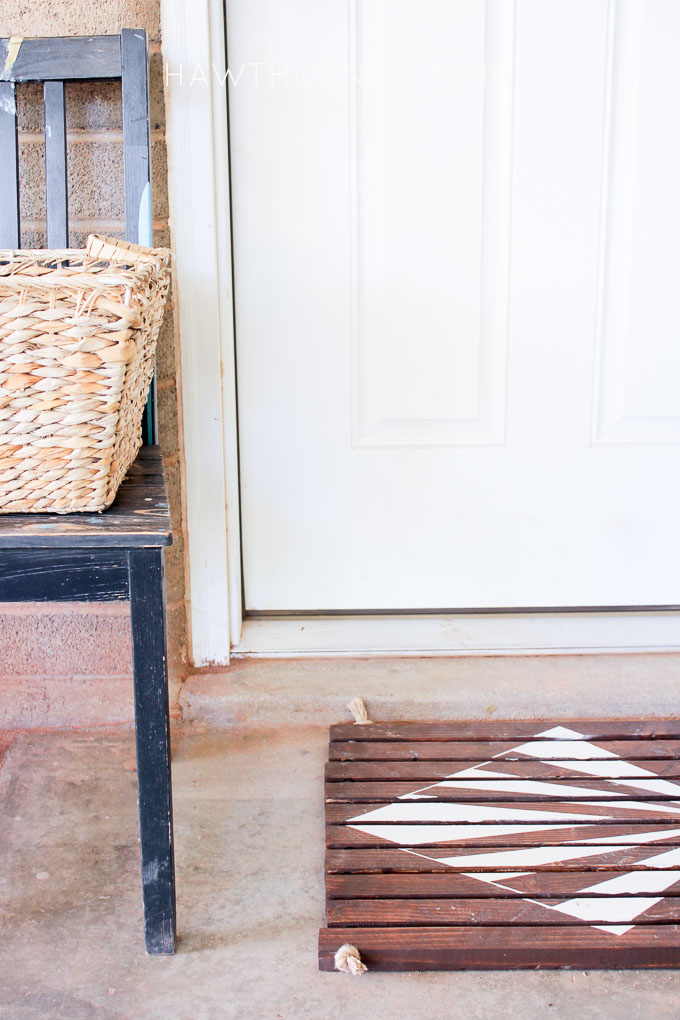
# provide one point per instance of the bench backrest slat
(61, 58)
(9, 167)
(56, 182)
(136, 137)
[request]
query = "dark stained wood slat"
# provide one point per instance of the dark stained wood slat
(425, 912)
(63, 58)
(426, 812)
(532, 834)
(485, 789)
(487, 750)
(422, 771)
(504, 948)
(483, 729)
(9, 166)
(139, 516)
(390, 861)
(524, 832)
(542, 884)
(56, 190)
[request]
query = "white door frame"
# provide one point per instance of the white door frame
(198, 180)
(198, 169)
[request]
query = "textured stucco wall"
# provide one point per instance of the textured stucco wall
(96, 203)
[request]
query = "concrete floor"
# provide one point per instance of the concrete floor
(249, 831)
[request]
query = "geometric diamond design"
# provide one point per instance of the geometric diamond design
(614, 900)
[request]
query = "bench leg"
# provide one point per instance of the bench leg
(152, 724)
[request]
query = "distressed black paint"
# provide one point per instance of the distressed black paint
(46, 575)
(116, 555)
(139, 516)
(149, 658)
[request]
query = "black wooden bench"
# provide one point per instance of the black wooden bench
(116, 555)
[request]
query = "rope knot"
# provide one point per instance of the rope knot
(358, 710)
(347, 959)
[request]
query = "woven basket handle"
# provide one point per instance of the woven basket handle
(100, 247)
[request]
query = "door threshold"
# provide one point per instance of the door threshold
(446, 635)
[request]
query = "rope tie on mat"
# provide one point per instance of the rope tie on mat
(348, 960)
(358, 710)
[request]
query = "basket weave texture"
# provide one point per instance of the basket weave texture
(78, 333)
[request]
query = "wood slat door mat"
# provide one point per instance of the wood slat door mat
(483, 845)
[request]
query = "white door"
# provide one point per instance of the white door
(457, 272)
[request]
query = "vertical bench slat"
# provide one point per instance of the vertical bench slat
(136, 139)
(134, 63)
(9, 167)
(56, 188)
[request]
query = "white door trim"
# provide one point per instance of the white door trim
(194, 62)
(465, 634)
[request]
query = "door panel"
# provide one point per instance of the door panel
(636, 396)
(430, 145)
(456, 322)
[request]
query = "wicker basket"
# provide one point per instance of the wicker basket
(78, 333)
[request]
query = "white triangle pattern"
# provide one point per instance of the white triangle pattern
(473, 821)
